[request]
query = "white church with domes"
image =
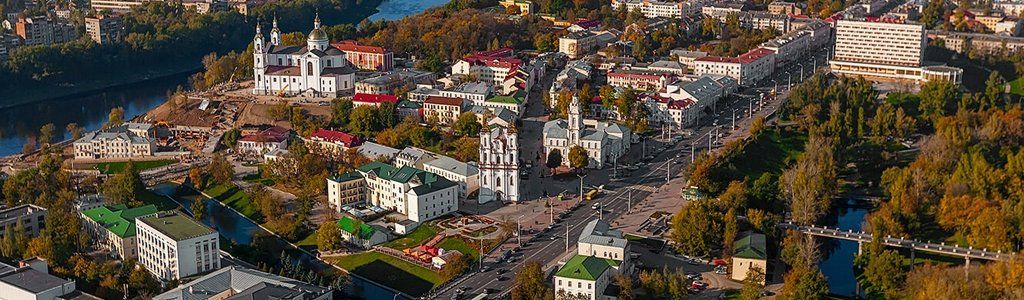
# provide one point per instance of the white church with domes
(314, 70)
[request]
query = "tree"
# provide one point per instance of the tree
(74, 130)
(455, 266)
(341, 109)
(231, 137)
(697, 228)
(729, 235)
(994, 87)
(221, 170)
(804, 283)
(196, 176)
(884, 274)
(530, 283)
(328, 237)
(937, 282)
(625, 284)
(198, 208)
(467, 124)
(363, 121)
(937, 98)
(467, 149)
(115, 117)
(554, 159)
(753, 286)
(279, 111)
(141, 281)
(810, 184)
(578, 158)
(46, 134)
(124, 187)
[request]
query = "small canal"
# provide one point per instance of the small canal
(838, 255)
(254, 244)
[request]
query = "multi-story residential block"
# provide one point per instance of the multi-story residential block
(499, 163)
(31, 217)
(173, 246)
(662, 9)
(261, 143)
(601, 254)
(640, 79)
(205, 6)
(333, 142)
(234, 282)
(114, 227)
(467, 176)
(43, 30)
(525, 7)
(495, 67)
(117, 142)
(885, 51)
(104, 29)
(445, 110)
(1009, 7)
(979, 42)
(345, 189)
(419, 195)
(747, 68)
(475, 92)
(581, 43)
(387, 83)
(723, 9)
(604, 142)
(367, 57)
(31, 280)
(705, 91)
(687, 57)
(314, 70)
(670, 112)
(785, 8)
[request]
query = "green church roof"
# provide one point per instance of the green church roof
(585, 267)
(119, 219)
(348, 225)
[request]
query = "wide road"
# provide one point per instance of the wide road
(673, 157)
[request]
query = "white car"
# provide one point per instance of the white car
(596, 206)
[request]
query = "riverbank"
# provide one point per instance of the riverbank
(22, 96)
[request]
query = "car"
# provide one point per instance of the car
(597, 205)
(500, 271)
(699, 284)
(693, 276)
(502, 278)
(485, 269)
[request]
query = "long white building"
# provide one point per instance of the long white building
(885, 51)
(174, 246)
(119, 142)
(662, 9)
(417, 194)
(747, 68)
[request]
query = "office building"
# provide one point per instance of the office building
(885, 51)
(173, 246)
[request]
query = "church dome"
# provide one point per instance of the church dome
(317, 35)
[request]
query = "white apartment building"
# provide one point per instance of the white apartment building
(174, 246)
(417, 194)
(495, 67)
(885, 51)
(114, 227)
(474, 92)
(467, 176)
(687, 58)
(117, 142)
(581, 43)
(344, 189)
(31, 280)
(747, 68)
(601, 253)
(662, 9)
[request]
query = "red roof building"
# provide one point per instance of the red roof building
(366, 57)
(373, 99)
(336, 137)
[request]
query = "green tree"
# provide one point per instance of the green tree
(730, 232)
(231, 137)
(752, 284)
(116, 117)
(578, 158)
(221, 170)
(937, 98)
(455, 266)
(139, 280)
(994, 88)
(198, 208)
(554, 159)
(467, 124)
(804, 283)
(530, 283)
(697, 228)
(328, 237)
(884, 274)
(341, 109)
(124, 187)
(363, 120)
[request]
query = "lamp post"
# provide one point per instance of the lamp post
(693, 147)
(668, 171)
(789, 80)
(581, 185)
(519, 232)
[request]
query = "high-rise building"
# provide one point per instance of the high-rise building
(174, 246)
(499, 163)
(31, 217)
(104, 29)
(42, 30)
(885, 50)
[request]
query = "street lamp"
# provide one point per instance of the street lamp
(581, 185)
(801, 71)
(789, 80)
(519, 232)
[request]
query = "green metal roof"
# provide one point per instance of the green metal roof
(409, 104)
(348, 225)
(176, 225)
(429, 182)
(119, 219)
(516, 98)
(585, 267)
(347, 176)
(751, 246)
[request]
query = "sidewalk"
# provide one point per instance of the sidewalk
(534, 216)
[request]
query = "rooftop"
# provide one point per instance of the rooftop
(335, 136)
(274, 134)
(751, 246)
(349, 225)
(422, 182)
(443, 100)
(29, 279)
(19, 211)
(585, 267)
(239, 280)
(175, 225)
(451, 165)
(353, 46)
(119, 219)
(599, 232)
(374, 98)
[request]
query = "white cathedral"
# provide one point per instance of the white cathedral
(499, 163)
(314, 70)
(604, 142)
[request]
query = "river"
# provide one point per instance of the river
(20, 124)
(839, 254)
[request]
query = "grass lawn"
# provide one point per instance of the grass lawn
(116, 167)
(1017, 86)
(452, 243)
(392, 272)
(309, 241)
(257, 178)
(235, 198)
(769, 153)
(415, 238)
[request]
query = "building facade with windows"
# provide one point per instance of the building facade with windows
(31, 217)
(747, 68)
(314, 70)
(114, 227)
(104, 29)
(601, 253)
(173, 246)
(499, 163)
(445, 110)
(367, 57)
(886, 50)
(419, 195)
(603, 142)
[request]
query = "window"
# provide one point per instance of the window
(309, 68)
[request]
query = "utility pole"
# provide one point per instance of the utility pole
(733, 118)
(519, 232)
(629, 201)
(760, 102)
(566, 237)
(693, 148)
(668, 171)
